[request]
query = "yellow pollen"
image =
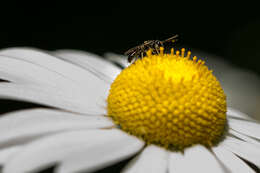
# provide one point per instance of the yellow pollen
(169, 100)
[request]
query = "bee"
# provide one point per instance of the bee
(139, 51)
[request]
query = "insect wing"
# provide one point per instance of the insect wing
(132, 50)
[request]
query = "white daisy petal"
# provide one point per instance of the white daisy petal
(23, 126)
(119, 59)
(153, 160)
(248, 128)
(7, 153)
(99, 66)
(94, 156)
(195, 159)
(23, 72)
(237, 114)
(49, 62)
(243, 149)
(33, 67)
(72, 101)
(94, 148)
(244, 137)
(231, 161)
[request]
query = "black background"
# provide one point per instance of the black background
(228, 30)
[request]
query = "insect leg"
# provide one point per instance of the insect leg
(157, 49)
(142, 55)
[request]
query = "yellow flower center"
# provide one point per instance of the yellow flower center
(169, 100)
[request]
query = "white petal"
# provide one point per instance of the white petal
(101, 67)
(244, 137)
(71, 100)
(248, 128)
(27, 66)
(242, 89)
(20, 71)
(243, 149)
(26, 73)
(99, 155)
(231, 161)
(94, 148)
(153, 160)
(48, 62)
(7, 153)
(237, 114)
(119, 59)
(195, 159)
(23, 126)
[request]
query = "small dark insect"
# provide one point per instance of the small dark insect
(140, 50)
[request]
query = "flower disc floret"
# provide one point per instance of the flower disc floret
(169, 100)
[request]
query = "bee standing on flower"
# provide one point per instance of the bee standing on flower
(140, 50)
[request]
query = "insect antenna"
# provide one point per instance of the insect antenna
(173, 39)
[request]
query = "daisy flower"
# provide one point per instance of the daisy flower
(167, 110)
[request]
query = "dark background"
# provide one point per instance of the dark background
(231, 31)
(228, 30)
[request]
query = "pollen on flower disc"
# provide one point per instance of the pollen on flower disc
(169, 100)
